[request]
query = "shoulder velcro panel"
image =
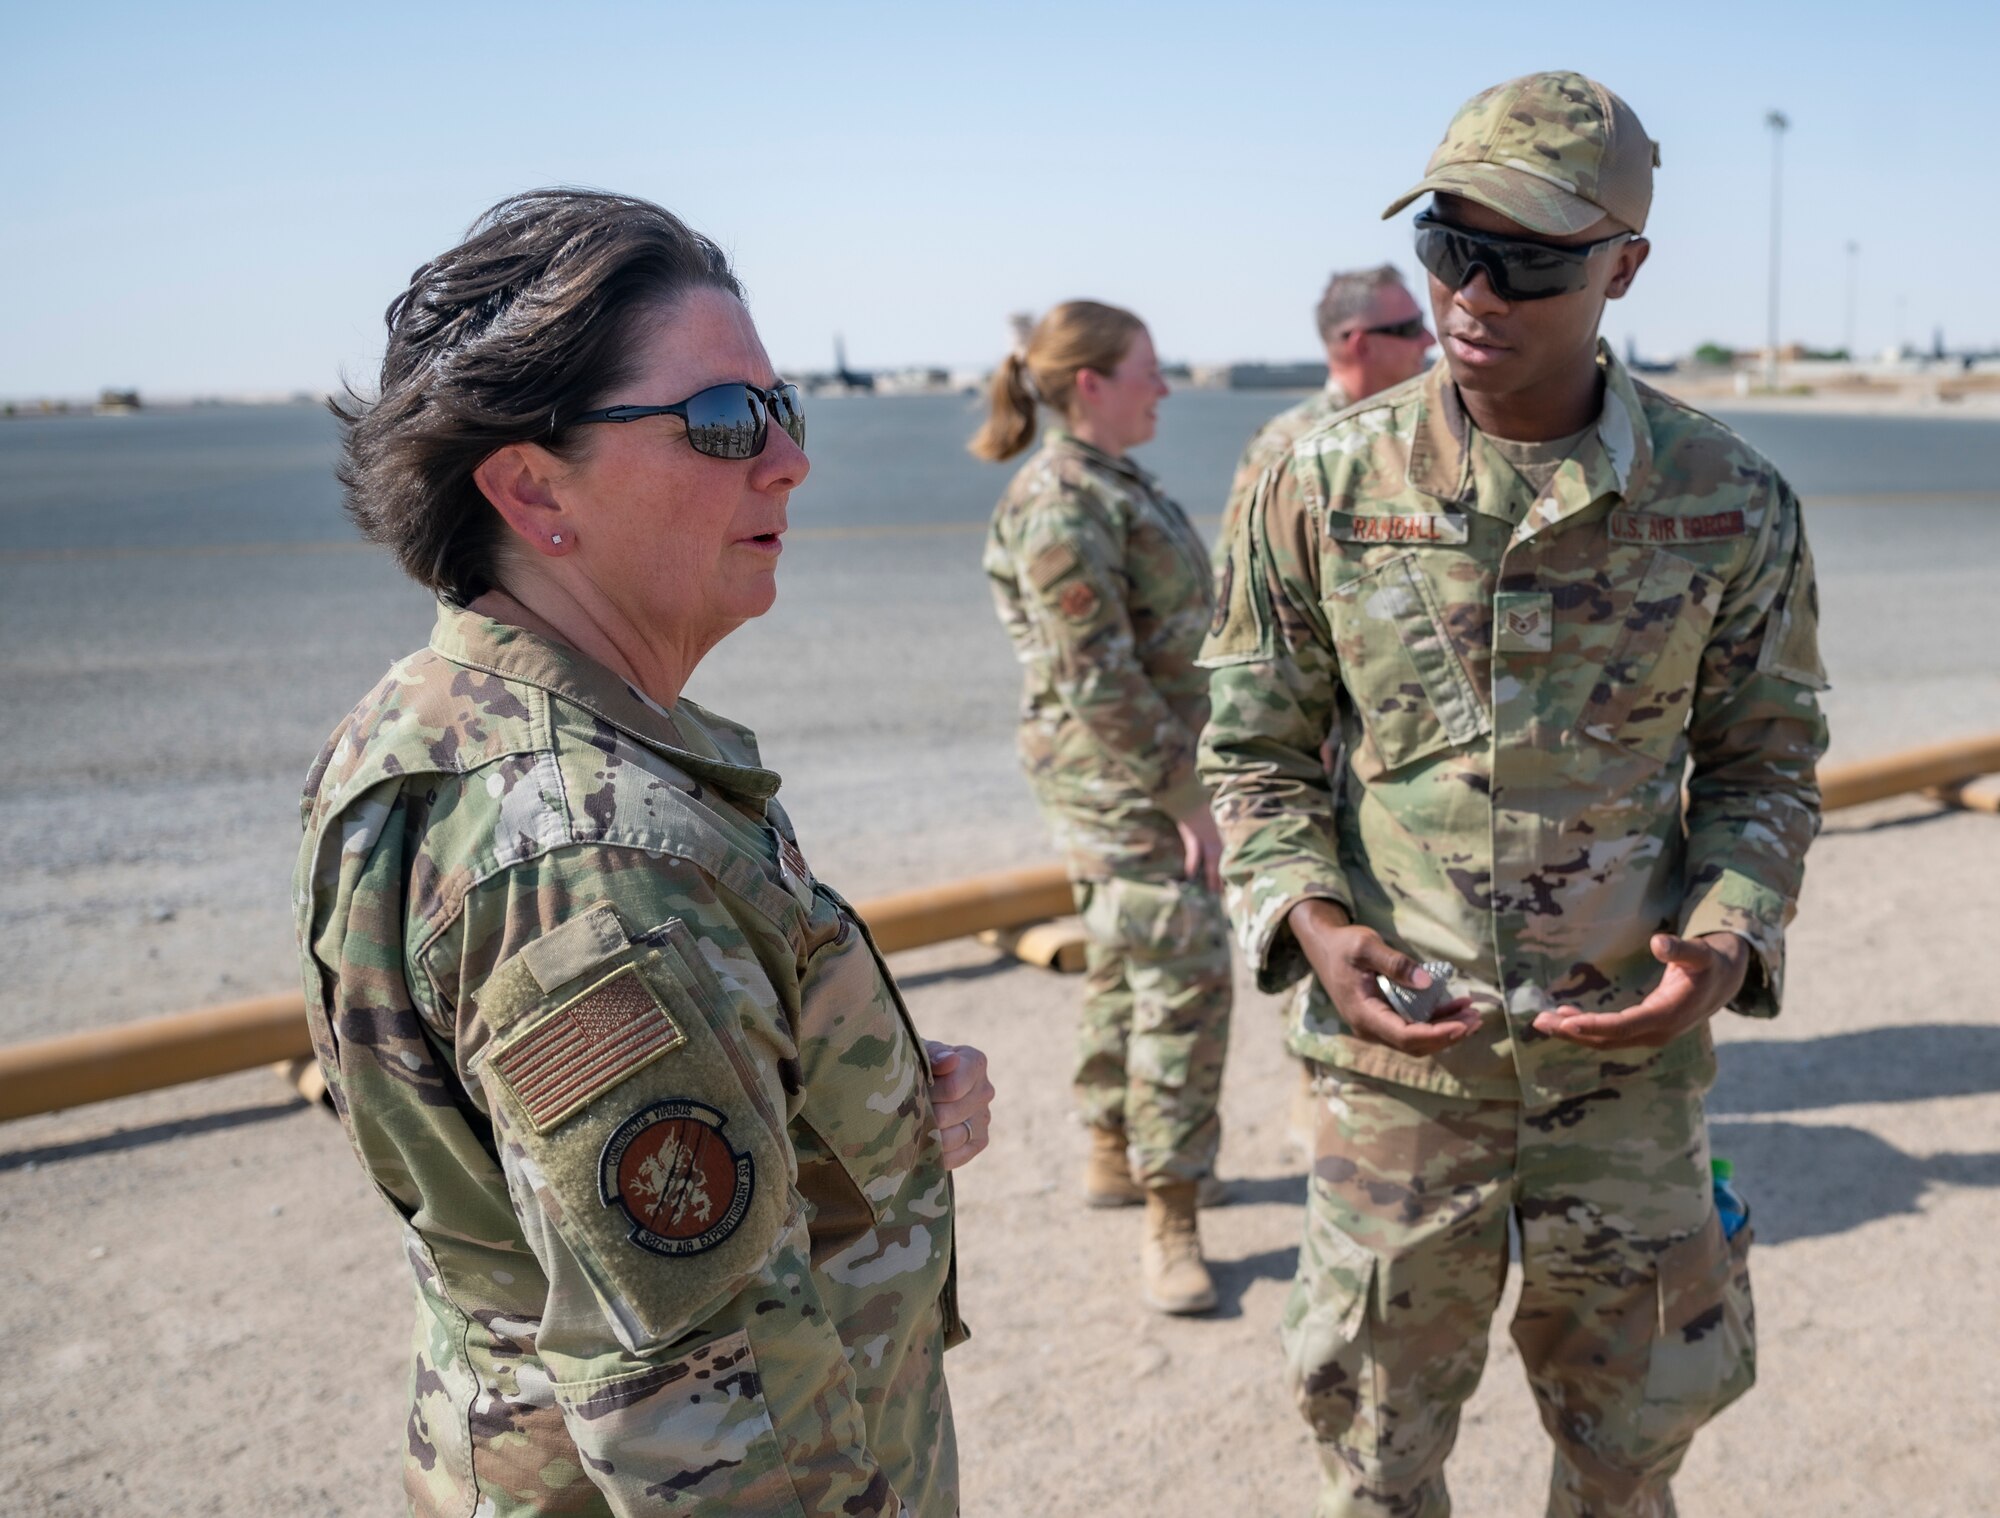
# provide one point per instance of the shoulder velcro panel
(626, 1101)
(1242, 629)
(1791, 639)
(1052, 563)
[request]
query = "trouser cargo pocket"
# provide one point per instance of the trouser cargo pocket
(1328, 1350)
(1704, 1353)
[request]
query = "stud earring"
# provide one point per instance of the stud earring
(556, 539)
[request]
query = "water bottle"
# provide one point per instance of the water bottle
(1729, 1204)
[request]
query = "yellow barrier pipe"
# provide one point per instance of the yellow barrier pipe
(1967, 796)
(143, 1056)
(935, 914)
(165, 1051)
(1877, 779)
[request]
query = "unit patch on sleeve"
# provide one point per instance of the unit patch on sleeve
(1078, 601)
(672, 1173)
(564, 1060)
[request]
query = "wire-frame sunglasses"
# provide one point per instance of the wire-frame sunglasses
(728, 421)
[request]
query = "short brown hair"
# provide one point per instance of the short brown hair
(531, 320)
(1349, 297)
(1072, 337)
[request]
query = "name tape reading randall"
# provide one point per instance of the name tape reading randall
(1407, 527)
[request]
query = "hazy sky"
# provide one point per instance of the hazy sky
(205, 198)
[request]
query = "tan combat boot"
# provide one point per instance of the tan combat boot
(1107, 1174)
(1173, 1278)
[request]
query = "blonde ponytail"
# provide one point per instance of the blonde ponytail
(1010, 413)
(1074, 336)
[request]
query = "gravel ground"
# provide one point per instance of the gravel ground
(210, 1313)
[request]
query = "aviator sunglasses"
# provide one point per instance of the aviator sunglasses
(1517, 270)
(730, 421)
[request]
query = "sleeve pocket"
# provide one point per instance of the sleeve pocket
(630, 1112)
(1791, 641)
(1241, 630)
(698, 1427)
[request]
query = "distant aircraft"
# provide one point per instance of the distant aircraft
(1640, 365)
(852, 379)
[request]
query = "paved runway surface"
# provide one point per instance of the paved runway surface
(184, 613)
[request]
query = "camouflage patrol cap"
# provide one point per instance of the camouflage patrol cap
(1552, 151)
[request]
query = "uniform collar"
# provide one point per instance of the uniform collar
(1062, 440)
(513, 653)
(1616, 458)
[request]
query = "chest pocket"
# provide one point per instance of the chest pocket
(864, 1115)
(1399, 664)
(1639, 653)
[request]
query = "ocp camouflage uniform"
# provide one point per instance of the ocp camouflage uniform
(1271, 443)
(1524, 681)
(647, 1103)
(1104, 588)
(1267, 448)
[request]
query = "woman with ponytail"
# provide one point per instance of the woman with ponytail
(1103, 585)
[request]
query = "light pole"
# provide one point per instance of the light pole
(1853, 261)
(1779, 125)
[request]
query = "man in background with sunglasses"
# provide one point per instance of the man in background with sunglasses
(1374, 337)
(1539, 599)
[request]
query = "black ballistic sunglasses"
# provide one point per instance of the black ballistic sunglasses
(728, 421)
(1412, 328)
(1517, 269)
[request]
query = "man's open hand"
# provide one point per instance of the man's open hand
(1347, 959)
(1702, 975)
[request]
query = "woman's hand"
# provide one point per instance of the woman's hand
(961, 1100)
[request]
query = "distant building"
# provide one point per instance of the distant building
(1304, 376)
(916, 380)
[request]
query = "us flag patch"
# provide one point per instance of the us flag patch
(563, 1061)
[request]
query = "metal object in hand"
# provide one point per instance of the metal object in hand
(1417, 1006)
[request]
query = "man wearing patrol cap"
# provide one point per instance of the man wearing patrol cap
(1567, 628)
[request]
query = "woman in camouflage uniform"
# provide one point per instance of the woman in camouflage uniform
(1103, 585)
(670, 1160)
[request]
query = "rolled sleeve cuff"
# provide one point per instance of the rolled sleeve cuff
(1261, 909)
(1736, 904)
